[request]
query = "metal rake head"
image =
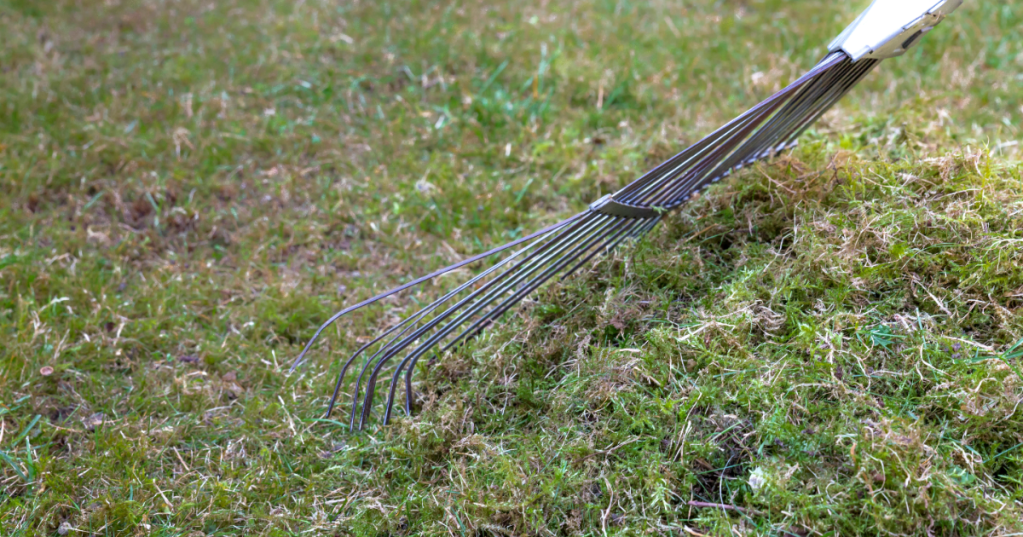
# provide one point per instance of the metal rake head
(884, 30)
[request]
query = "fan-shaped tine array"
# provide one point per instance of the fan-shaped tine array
(561, 249)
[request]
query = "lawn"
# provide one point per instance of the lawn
(830, 343)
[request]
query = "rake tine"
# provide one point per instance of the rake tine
(462, 317)
(809, 106)
(344, 369)
(647, 227)
(709, 143)
(628, 193)
(747, 153)
(695, 176)
(459, 340)
(340, 381)
(793, 111)
(400, 288)
(411, 322)
(476, 327)
(481, 324)
(528, 287)
(610, 245)
(822, 109)
(390, 350)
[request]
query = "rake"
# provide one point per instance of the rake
(886, 29)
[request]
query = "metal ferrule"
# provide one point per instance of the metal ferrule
(890, 27)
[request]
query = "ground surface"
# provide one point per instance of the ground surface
(830, 343)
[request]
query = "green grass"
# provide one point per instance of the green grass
(831, 342)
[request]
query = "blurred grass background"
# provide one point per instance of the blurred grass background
(188, 188)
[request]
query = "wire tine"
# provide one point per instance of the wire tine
(851, 75)
(358, 382)
(462, 318)
(748, 151)
(600, 221)
(646, 229)
(808, 110)
(656, 174)
(731, 156)
(483, 322)
(340, 381)
(695, 168)
(867, 68)
(726, 131)
(709, 144)
(411, 364)
(703, 171)
(411, 322)
(613, 242)
(381, 296)
(572, 231)
(793, 111)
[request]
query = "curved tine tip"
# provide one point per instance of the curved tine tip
(305, 350)
(408, 390)
(367, 406)
(298, 361)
